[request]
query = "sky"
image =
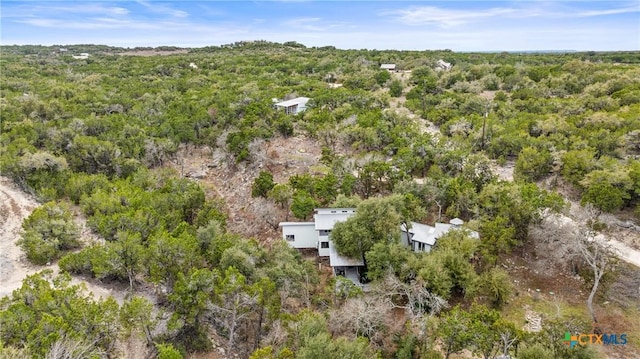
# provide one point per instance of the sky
(517, 25)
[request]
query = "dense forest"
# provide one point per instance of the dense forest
(104, 138)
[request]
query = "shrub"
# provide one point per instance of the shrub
(48, 231)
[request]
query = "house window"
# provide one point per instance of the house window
(290, 237)
(325, 232)
(324, 244)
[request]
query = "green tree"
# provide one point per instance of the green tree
(532, 164)
(48, 231)
(496, 286)
(128, 255)
(384, 257)
(171, 256)
(167, 351)
(455, 331)
(382, 77)
(282, 194)
(262, 184)
(497, 236)
(577, 163)
(136, 317)
(303, 204)
(376, 220)
(607, 190)
(48, 314)
(190, 301)
(395, 88)
(484, 336)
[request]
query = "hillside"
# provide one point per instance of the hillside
(158, 177)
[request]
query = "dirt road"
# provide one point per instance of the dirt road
(15, 205)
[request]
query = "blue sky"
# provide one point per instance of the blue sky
(516, 25)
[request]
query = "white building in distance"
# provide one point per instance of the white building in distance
(293, 106)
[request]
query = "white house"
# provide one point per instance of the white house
(443, 65)
(82, 56)
(293, 106)
(422, 237)
(316, 235)
(388, 67)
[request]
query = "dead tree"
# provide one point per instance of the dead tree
(597, 256)
(595, 252)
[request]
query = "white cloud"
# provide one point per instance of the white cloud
(447, 18)
(163, 9)
(81, 8)
(315, 24)
(427, 15)
(305, 23)
(90, 23)
(623, 10)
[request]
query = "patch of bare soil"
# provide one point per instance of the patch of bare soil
(504, 171)
(488, 95)
(535, 271)
(223, 179)
(15, 206)
(621, 236)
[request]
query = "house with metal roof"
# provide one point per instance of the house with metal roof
(316, 235)
(388, 67)
(421, 237)
(293, 106)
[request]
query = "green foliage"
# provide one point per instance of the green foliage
(607, 190)
(303, 204)
(282, 194)
(496, 285)
(497, 236)
(46, 310)
(382, 77)
(520, 204)
(376, 220)
(395, 88)
(577, 163)
(322, 346)
(532, 164)
(190, 300)
(48, 231)
(385, 257)
(535, 351)
(262, 184)
(90, 130)
(454, 329)
(136, 316)
(167, 351)
(172, 256)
